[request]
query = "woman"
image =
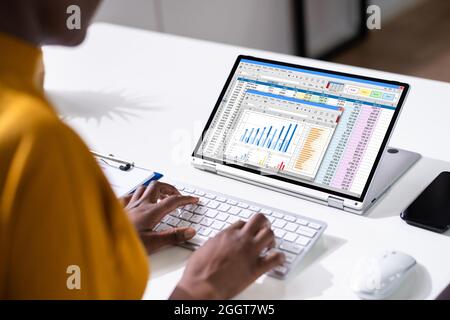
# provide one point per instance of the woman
(57, 210)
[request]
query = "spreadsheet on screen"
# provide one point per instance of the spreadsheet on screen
(316, 127)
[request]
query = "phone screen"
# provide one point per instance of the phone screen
(431, 209)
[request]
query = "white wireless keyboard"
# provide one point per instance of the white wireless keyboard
(294, 235)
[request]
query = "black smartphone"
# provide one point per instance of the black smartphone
(431, 209)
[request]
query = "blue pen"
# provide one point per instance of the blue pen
(156, 176)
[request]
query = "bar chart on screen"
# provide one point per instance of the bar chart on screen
(310, 155)
(278, 143)
(271, 138)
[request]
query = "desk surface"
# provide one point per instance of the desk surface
(145, 96)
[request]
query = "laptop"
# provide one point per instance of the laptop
(316, 134)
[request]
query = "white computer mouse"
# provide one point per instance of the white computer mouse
(380, 276)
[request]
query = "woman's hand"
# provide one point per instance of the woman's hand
(148, 205)
(229, 262)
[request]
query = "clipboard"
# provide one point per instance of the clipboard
(124, 176)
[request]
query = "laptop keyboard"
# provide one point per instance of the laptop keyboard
(294, 235)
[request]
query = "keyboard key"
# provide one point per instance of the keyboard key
(190, 207)
(222, 216)
(199, 193)
(179, 188)
(173, 221)
(184, 224)
(165, 219)
(210, 196)
(218, 225)
(224, 207)
(242, 205)
(197, 240)
(279, 233)
(271, 219)
(290, 237)
(232, 219)
(255, 208)
(279, 223)
(232, 202)
(246, 214)
(195, 226)
(211, 213)
(196, 218)
(206, 221)
(278, 215)
(291, 247)
(186, 215)
(202, 202)
(282, 270)
(305, 231)
(314, 225)
(188, 190)
(302, 222)
(221, 199)
(213, 204)
(290, 227)
(201, 210)
(303, 241)
(289, 257)
(204, 231)
(175, 213)
(289, 218)
(266, 212)
(162, 227)
(234, 210)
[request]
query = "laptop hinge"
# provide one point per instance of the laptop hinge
(335, 203)
(210, 167)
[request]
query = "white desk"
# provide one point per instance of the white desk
(145, 96)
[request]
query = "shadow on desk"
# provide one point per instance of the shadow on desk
(313, 279)
(168, 260)
(98, 105)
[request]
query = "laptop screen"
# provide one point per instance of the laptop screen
(312, 127)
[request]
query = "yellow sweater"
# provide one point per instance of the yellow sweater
(56, 207)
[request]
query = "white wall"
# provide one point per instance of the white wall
(135, 13)
(261, 24)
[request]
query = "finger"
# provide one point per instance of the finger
(264, 239)
(171, 203)
(152, 192)
(237, 225)
(270, 261)
(158, 189)
(156, 240)
(256, 223)
(126, 199)
(138, 193)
